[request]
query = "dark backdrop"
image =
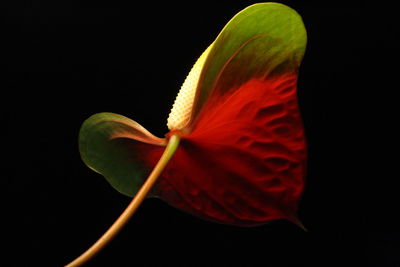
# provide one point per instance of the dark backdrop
(67, 60)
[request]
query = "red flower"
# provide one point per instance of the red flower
(242, 155)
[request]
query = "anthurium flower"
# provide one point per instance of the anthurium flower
(242, 154)
(241, 159)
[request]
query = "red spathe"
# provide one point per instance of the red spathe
(244, 161)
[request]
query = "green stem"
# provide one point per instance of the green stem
(133, 206)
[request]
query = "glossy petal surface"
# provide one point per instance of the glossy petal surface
(249, 167)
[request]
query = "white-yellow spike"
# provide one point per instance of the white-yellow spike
(183, 104)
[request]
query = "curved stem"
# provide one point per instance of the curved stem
(133, 206)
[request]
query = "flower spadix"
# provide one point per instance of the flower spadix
(182, 109)
(242, 155)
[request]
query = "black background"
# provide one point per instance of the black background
(68, 60)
